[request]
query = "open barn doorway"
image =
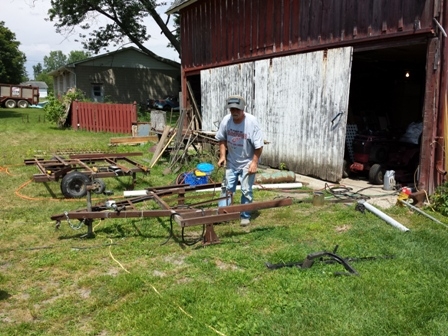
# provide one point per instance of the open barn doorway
(384, 121)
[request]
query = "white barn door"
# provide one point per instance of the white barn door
(301, 102)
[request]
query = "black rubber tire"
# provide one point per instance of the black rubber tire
(101, 186)
(74, 185)
(22, 104)
(376, 174)
(10, 103)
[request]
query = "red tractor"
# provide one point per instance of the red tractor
(375, 154)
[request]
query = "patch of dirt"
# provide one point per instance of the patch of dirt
(84, 293)
(113, 272)
(52, 299)
(343, 228)
(17, 316)
(178, 261)
(183, 281)
(223, 266)
(159, 274)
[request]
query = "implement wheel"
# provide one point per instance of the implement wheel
(101, 186)
(74, 185)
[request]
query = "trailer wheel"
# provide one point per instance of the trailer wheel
(22, 103)
(10, 103)
(101, 186)
(74, 185)
(376, 174)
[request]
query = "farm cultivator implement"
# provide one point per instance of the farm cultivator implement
(76, 172)
(182, 212)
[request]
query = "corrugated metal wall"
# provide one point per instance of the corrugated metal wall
(95, 117)
(301, 102)
(216, 32)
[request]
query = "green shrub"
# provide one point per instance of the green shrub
(55, 109)
(440, 199)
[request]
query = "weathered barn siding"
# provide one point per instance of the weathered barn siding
(217, 84)
(301, 102)
(218, 32)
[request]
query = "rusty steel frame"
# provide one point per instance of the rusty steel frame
(183, 214)
(57, 167)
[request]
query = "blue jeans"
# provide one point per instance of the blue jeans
(231, 181)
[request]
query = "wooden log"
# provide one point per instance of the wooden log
(133, 140)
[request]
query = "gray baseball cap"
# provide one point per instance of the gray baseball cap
(236, 102)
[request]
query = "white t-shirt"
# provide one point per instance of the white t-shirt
(242, 140)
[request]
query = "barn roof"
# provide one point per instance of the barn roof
(178, 5)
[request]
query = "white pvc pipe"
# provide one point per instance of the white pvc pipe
(383, 216)
(134, 193)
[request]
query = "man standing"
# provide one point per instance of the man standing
(240, 146)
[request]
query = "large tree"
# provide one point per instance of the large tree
(77, 55)
(125, 22)
(54, 61)
(12, 60)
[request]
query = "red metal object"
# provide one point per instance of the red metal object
(376, 154)
(183, 214)
(92, 165)
(368, 150)
(270, 28)
(98, 117)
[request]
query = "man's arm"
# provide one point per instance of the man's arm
(253, 167)
(222, 153)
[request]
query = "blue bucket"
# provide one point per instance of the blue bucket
(192, 179)
(205, 167)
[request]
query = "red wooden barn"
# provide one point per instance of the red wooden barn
(313, 71)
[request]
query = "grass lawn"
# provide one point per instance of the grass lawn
(126, 281)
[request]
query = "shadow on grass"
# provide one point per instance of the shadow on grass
(10, 114)
(118, 230)
(4, 295)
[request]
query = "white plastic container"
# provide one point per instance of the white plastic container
(389, 180)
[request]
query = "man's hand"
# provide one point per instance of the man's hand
(253, 167)
(222, 162)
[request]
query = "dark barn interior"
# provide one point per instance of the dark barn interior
(386, 101)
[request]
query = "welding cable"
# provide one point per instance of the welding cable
(214, 187)
(193, 242)
(158, 293)
(340, 191)
(171, 228)
(356, 194)
(6, 171)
